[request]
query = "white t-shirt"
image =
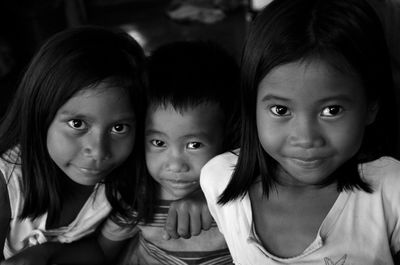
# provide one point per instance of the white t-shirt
(28, 232)
(361, 228)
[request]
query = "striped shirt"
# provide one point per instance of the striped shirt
(148, 247)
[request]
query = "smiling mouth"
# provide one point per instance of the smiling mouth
(308, 163)
(182, 183)
(90, 171)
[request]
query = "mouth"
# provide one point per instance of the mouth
(90, 171)
(181, 184)
(308, 163)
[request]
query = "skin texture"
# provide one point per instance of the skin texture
(92, 133)
(178, 144)
(311, 119)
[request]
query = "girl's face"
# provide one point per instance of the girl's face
(310, 119)
(92, 133)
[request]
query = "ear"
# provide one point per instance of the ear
(372, 111)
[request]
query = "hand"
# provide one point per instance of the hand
(36, 255)
(188, 216)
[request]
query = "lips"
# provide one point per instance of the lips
(90, 170)
(308, 162)
(179, 183)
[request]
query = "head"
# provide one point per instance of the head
(192, 104)
(76, 114)
(298, 54)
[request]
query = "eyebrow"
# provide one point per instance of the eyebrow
(273, 97)
(124, 116)
(198, 135)
(341, 97)
(152, 131)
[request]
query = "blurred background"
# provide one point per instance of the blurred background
(26, 24)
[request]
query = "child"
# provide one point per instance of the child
(310, 184)
(67, 142)
(192, 102)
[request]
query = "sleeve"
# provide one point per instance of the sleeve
(115, 231)
(207, 187)
(5, 213)
(390, 189)
(214, 178)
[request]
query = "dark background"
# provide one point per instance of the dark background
(26, 24)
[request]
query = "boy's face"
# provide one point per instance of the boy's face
(178, 144)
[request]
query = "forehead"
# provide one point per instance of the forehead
(204, 117)
(101, 99)
(313, 79)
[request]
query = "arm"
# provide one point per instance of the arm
(84, 251)
(102, 248)
(5, 213)
(188, 217)
(87, 251)
(90, 251)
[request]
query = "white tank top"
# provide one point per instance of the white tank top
(28, 232)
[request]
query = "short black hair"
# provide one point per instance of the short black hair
(185, 74)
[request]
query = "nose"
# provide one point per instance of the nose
(176, 161)
(306, 133)
(96, 146)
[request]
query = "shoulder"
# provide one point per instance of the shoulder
(4, 200)
(382, 174)
(5, 213)
(116, 228)
(217, 172)
(10, 161)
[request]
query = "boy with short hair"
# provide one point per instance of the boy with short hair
(190, 119)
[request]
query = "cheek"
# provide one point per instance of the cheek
(59, 145)
(199, 161)
(269, 135)
(348, 139)
(123, 149)
(153, 163)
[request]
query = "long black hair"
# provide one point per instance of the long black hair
(345, 33)
(68, 62)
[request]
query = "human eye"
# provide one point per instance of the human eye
(194, 145)
(77, 124)
(157, 143)
(120, 128)
(280, 110)
(331, 111)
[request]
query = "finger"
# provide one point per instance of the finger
(206, 218)
(195, 223)
(165, 235)
(171, 223)
(183, 224)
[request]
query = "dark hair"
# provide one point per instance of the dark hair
(68, 62)
(185, 74)
(345, 33)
